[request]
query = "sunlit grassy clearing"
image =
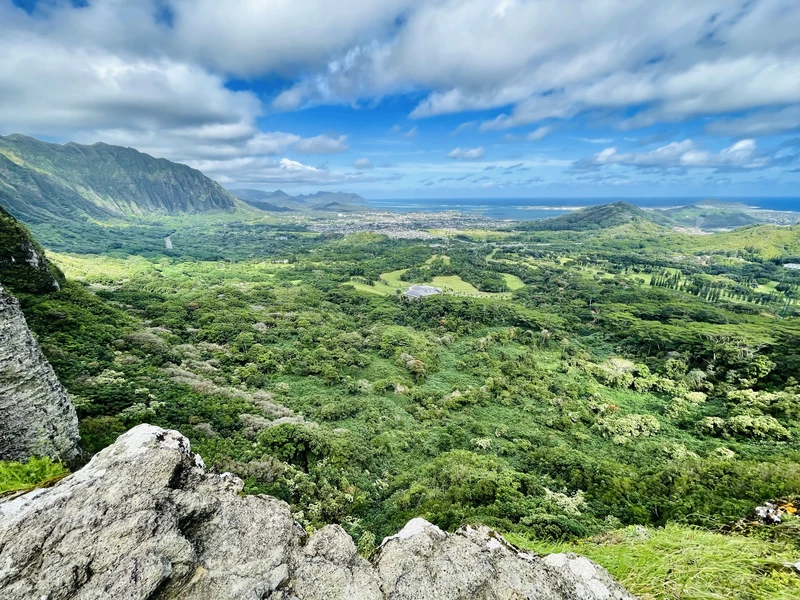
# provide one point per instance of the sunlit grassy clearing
(453, 283)
(444, 257)
(379, 289)
(688, 563)
(392, 278)
(513, 282)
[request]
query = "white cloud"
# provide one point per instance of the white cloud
(467, 153)
(758, 124)
(408, 134)
(322, 144)
(539, 133)
(464, 127)
(268, 172)
(556, 58)
(363, 163)
(248, 37)
(683, 155)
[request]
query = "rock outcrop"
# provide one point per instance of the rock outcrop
(143, 520)
(23, 266)
(36, 414)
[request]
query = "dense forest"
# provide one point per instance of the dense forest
(565, 385)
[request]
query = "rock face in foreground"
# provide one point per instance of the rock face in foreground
(143, 520)
(36, 414)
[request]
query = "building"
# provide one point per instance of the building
(416, 292)
(795, 266)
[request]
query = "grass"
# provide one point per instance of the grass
(454, 283)
(379, 288)
(15, 476)
(688, 563)
(392, 278)
(444, 257)
(768, 287)
(513, 282)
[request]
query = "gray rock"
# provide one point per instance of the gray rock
(143, 520)
(36, 414)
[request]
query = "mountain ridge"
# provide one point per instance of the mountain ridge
(43, 181)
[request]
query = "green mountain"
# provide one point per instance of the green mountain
(604, 216)
(280, 201)
(42, 183)
(268, 201)
(23, 266)
(704, 216)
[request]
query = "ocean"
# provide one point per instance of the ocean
(538, 208)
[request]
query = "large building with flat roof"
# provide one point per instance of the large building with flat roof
(415, 292)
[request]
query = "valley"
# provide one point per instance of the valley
(597, 381)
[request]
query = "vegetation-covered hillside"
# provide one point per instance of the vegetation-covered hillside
(603, 216)
(42, 182)
(23, 266)
(566, 385)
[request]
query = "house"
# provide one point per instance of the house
(416, 292)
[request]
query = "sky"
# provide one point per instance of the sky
(422, 98)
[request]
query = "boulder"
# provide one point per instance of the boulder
(143, 520)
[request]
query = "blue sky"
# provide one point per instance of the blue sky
(422, 98)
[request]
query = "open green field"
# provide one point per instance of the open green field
(454, 283)
(392, 278)
(513, 282)
(768, 287)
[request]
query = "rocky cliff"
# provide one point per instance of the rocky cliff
(23, 266)
(144, 520)
(36, 414)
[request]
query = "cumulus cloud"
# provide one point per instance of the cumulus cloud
(363, 163)
(682, 155)
(557, 58)
(263, 171)
(467, 153)
(109, 72)
(113, 71)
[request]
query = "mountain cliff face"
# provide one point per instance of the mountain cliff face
(143, 520)
(42, 182)
(37, 417)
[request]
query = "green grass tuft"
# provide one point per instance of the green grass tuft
(15, 477)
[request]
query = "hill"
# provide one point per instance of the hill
(23, 266)
(42, 182)
(604, 216)
(269, 201)
(716, 215)
(280, 201)
(767, 241)
(323, 198)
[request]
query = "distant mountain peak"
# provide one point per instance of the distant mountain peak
(281, 201)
